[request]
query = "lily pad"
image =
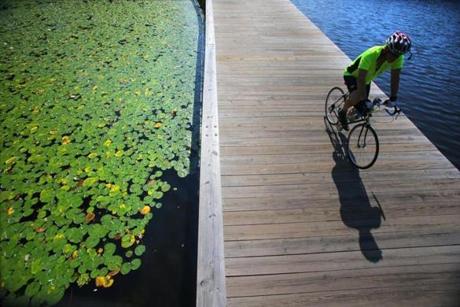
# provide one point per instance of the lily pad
(135, 264)
(125, 268)
(128, 240)
(140, 249)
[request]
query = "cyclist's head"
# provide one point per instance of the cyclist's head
(398, 43)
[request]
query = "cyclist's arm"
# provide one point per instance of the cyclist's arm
(360, 93)
(395, 74)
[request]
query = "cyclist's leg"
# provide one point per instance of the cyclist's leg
(352, 85)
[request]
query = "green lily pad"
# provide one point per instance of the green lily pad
(128, 240)
(46, 195)
(135, 264)
(83, 279)
(32, 289)
(125, 268)
(109, 249)
(140, 249)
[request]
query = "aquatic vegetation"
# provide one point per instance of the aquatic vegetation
(96, 102)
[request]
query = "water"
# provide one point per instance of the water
(428, 93)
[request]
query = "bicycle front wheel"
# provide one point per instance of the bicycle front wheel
(334, 103)
(363, 146)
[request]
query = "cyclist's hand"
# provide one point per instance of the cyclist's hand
(392, 107)
(389, 104)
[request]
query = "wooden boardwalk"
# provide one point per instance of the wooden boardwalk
(301, 227)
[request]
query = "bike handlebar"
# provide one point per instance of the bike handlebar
(392, 111)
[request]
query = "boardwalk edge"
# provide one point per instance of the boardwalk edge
(210, 262)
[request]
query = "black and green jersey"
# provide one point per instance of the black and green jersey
(368, 61)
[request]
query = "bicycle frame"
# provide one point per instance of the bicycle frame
(360, 124)
(365, 136)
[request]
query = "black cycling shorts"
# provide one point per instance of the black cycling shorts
(352, 85)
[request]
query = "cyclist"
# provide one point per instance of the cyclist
(370, 64)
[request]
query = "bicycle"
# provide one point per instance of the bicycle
(362, 143)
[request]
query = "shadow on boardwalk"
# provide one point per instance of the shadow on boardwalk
(355, 208)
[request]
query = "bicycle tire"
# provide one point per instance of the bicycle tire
(334, 102)
(362, 146)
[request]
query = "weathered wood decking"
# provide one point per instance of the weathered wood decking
(301, 227)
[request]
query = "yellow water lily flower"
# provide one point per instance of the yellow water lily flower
(114, 188)
(157, 125)
(66, 140)
(145, 210)
(10, 211)
(107, 143)
(74, 255)
(104, 281)
(119, 153)
(10, 161)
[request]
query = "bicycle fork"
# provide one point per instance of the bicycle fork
(361, 139)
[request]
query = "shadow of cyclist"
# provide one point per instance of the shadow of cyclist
(355, 208)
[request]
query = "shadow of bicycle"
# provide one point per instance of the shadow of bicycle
(355, 208)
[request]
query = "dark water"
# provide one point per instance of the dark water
(429, 93)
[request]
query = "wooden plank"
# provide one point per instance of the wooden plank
(312, 178)
(341, 243)
(326, 200)
(404, 295)
(349, 260)
(360, 210)
(345, 190)
(435, 276)
(312, 139)
(334, 228)
(210, 288)
(249, 168)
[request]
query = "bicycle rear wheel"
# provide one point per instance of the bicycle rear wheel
(334, 103)
(362, 146)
